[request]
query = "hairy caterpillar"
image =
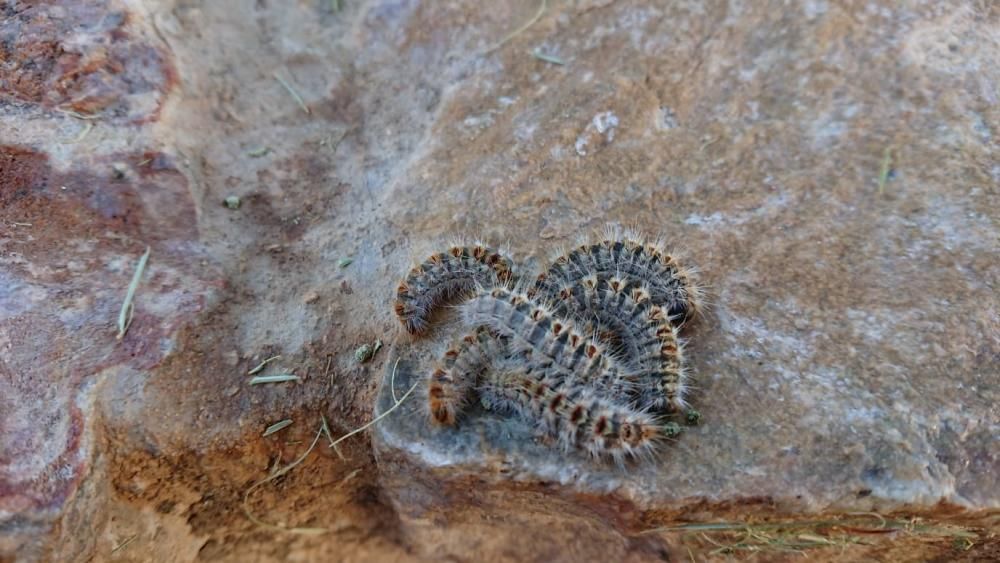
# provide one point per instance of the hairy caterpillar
(551, 342)
(451, 383)
(648, 341)
(589, 352)
(575, 415)
(636, 261)
(444, 275)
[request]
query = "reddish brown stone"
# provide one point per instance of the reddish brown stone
(81, 56)
(846, 363)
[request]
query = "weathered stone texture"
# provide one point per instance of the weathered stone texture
(832, 169)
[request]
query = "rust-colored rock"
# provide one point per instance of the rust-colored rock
(832, 170)
(82, 57)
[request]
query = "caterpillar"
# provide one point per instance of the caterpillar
(444, 275)
(450, 385)
(551, 342)
(575, 415)
(589, 351)
(636, 261)
(649, 342)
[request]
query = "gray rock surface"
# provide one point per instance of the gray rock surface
(832, 170)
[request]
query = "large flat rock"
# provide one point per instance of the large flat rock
(832, 171)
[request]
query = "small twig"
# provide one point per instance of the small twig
(127, 541)
(538, 15)
(295, 95)
(282, 378)
(260, 366)
(125, 315)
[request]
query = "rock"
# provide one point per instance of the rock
(847, 364)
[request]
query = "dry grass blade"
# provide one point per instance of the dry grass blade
(277, 426)
(87, 126)
(324, 428)
(272, 477)
(261, 365)
(538, 15)
(125, 315)
(383, 415)
(547, 58)
(295, 95)
(809, 534)
(280, 378)
(329, 436)
(77, 114)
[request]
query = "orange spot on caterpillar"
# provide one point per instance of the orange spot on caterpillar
(628, 433)
(601, 425)
(443, 415)
(556, 401)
